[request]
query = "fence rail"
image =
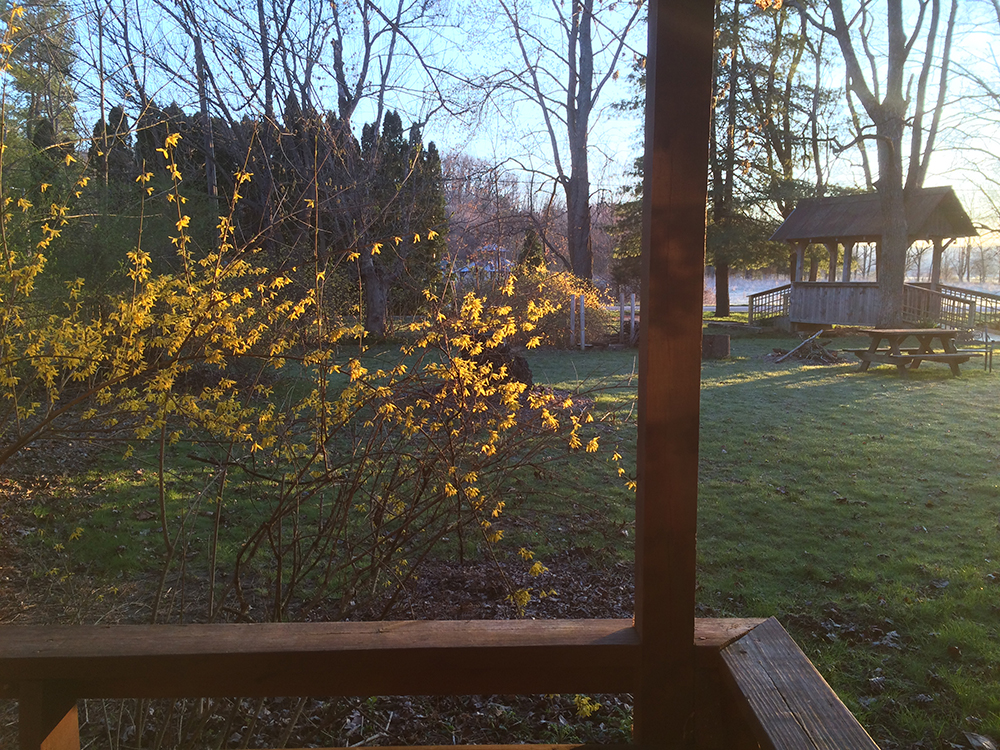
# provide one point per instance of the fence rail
(982, 308)
(772, 303)
(951, 305)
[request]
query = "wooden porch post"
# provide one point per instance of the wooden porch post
(848, 260)
(936, 254)
(47, 718)
(834, 249)
(677, 128)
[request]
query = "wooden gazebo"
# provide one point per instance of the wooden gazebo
(696, 683)
(932, 214)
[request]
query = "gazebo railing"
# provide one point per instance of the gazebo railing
(959, 308)
(980, 308)
(772, 303)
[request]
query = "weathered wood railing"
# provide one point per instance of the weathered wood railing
(752, 666)
(963, 308)
(856, 303)
(772, 303)
(923, 306)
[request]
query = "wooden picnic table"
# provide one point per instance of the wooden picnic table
(906, 359)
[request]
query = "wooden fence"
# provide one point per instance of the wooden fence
(856, 303)
(961, 308)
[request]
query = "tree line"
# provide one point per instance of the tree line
(785, 127)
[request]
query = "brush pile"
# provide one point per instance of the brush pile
(811, 351)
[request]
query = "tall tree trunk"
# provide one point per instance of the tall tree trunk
(211, 180)
(580, 89)
(895, 240)
(722, 307)
(578, 217)
(376, 298)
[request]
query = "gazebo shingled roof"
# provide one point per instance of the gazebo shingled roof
(931, 213)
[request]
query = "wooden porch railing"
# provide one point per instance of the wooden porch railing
(772, 303)
(750, 677)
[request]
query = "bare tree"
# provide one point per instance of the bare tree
(887, 102)
(567, 56)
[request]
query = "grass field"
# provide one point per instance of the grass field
(861, 509)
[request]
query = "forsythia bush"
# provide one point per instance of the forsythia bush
(545, 297)
(347, 476)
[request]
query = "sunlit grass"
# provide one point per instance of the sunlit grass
(854, 505)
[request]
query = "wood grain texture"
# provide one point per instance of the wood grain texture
(793, 706)
(678, 108)
(184, 660)
(293, 659)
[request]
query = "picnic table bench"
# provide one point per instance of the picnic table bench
(905, 359)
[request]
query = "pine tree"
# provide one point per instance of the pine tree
(42, 70)
(407, 191)
(531, 259)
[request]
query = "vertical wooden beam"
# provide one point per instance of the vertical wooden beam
(833, 249)
(936, 255)
(848, 260)
(631, 326)
(798, 260)
(621, 316)
(47, 718)
(678, 104)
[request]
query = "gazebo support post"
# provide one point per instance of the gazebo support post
(848, 261)
(681, 34)
(936, 254)
(834, 249)
(798, 260)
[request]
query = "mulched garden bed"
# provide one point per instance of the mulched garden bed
(586, 585)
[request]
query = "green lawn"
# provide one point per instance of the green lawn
(862, 510)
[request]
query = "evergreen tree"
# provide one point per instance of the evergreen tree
(531, 259)
(42, 70)
(409, 224)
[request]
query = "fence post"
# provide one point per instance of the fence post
(47, 718)
(631, 332)
(572, 319)
(583, 330)
(621, 316)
